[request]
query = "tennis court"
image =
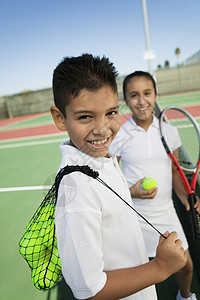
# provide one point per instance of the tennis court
(30, 155)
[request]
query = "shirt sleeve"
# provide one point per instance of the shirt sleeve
(173, 137)
(78, 228)
(177, 139)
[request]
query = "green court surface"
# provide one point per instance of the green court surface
(185, 99)
(38, 120)
(34, 162)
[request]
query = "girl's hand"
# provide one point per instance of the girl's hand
(197, 205)
(138, 192)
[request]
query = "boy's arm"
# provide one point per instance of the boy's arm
(170, 257)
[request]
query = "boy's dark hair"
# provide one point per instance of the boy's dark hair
(138, 74)
(74, 74)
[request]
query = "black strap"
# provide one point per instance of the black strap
(76, 168)
(94, 174)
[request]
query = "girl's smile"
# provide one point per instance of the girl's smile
(141, 98)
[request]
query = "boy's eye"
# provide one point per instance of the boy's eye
(112, 113)
(84, 117)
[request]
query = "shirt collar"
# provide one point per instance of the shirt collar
(155, 123)
(73, 156)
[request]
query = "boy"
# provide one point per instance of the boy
(99, 240)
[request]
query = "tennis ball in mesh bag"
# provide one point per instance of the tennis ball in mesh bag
(32, 248)
(45, 276)
(42, 215)
(149, 183)
(56, 258)
(45, 212)
(33, 226)
(47, 233)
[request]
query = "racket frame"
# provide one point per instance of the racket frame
(190, 188)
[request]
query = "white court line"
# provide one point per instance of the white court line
(32, 143)
(25, 188)
(33, 137)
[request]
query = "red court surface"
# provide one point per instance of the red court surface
(51, 128)
(34, 130)
(193, 110)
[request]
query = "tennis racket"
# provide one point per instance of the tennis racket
(188, 161)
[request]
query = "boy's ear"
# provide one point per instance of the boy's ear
(58, 118)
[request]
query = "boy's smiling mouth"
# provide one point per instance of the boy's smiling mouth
(99, 143)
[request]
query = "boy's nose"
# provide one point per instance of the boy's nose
(101, 127)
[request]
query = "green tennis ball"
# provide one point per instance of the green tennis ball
(33, 249)
(149, 183)
(45, 276)
(27, 243)
(45, 212)
(47, 233)
(56, 258)
(42, 215)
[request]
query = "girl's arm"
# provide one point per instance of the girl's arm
(179, 188)
(170, 257)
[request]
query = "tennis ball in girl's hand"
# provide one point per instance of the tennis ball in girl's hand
(149, 183)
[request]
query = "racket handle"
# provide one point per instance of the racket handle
(195, 217)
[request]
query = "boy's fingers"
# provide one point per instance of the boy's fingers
(173, 235)
(166, 234)
(162, 239)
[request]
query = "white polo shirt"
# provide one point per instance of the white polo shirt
(143, 155)
(96, 231)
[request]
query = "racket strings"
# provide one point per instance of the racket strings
(189, 151)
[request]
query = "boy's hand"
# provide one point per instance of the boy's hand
(170, 255)
(138, 192)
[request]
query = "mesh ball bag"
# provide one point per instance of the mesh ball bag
(38, 245)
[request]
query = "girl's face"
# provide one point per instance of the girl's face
(141, 98)
(92, 120)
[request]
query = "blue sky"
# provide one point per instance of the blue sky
(36, 34)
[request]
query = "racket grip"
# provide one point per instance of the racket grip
(195, 217)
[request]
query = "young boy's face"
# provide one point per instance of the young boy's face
(92, 120)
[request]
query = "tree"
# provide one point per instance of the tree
(166, 64)
(177, 53)
(159, 67)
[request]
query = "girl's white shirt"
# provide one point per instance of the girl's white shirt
(143, 155)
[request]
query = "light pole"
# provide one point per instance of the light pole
(148, 54)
